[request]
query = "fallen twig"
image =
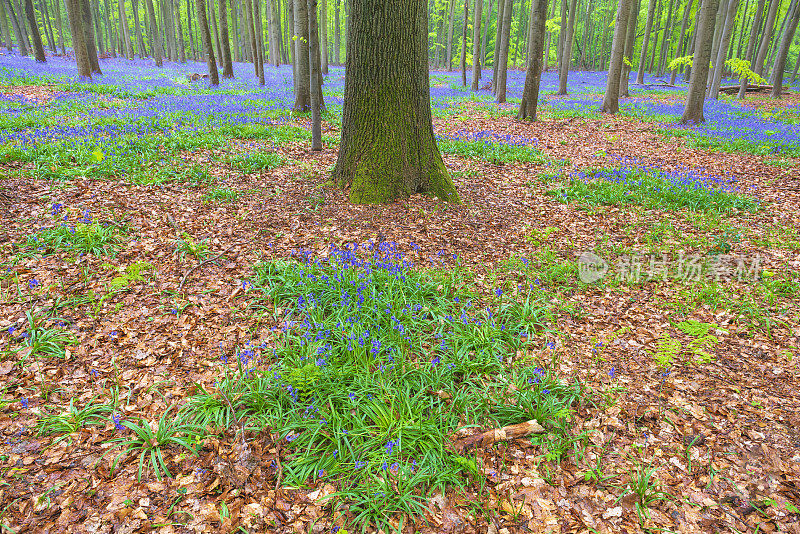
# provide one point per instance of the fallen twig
(490, 437)
(190, 271)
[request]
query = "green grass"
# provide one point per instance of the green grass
(493, 152)
(221, 194)
(651, 191)
(374, 368)
(256, 161)
(82, 237)
(74, 419)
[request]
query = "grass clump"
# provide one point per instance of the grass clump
(487, 146)
(654, 189)
(86, 236)
(373, 367)
(256, 161)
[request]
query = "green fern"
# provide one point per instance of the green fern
(133, 273)
(703, 342)
(667, 350)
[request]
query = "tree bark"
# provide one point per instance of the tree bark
(302, 103)
(212, 14)
(611, 98)
(48, 28)
(485, 39)
(316, 76)
(323, 37)
(251, 34)
(586, 31)
(722, 52)
(38, 47)
(502, 72)
(6, 32)
(566, 53)
(89, 36)
(125, 32)
(530, 93)
(451, 22)
(501, 5)
(225, 43)
(783, 51)
(138, 30)
(684, 26)
(696, 94)
(19, 31)
(766, 37)
(75, 15)
(666, 38)
(562, 34)
(770, 63)
(722, 11)
(259, 24)
(751, 44)
(464, 45)
(630, 39)
(205, 35)
(388, 150)
(155, 34)
(476, 44)
(648, 27)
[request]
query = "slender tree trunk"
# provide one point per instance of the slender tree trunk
(647, 29)
(476, 44)
(792, 16)
(212, 14)
(388, 149)
(6, 32)
(611, 98)
(138, 30)
(586, 31)
(276, 33)
(562, 34)
(485, 39)
(722, 11)
(501, 7)
(684, 26)
(323, 36)
(302, 102)
(316, 76)
(770, 63)
(666, 37)
(751, 44)
(38, 47)
(337, 39)
(125, 31)
(730, 18)
(155, 34)
(630, 40)
(502, 73)
(227, 63)
(48, 28)
(464, 44)
(251, 36)
(769, 27)
(450, 25)
(259, 20)
(60, 26)
(566, 53)
(205, 35)
(696, 95)
(19, 29)
(530, 94)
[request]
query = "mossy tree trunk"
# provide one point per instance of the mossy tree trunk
(388, 150)
(533, 78)
(302, 101)
(4, 27)
(38, 47)
(696, 94)
(648, 26)
(315, 75)
(205, 34)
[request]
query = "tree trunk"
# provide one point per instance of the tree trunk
(684, 26)
(666, 38)
(388, 150)
(138, 30)
(205, 35)
(775, 44)
(315, 60)
(730, 18)
(501, 5)
(337, 36)
(212, 14)
(75, 15)
(450, 25)
(60, 25)
(696, 94)
(6, 32)
(476, 44)
(783, 50)
(722, 11)
(648, 27)
(530, 94)
(766, 37)
(586, 31)
(562, 34)
(251, 35)
(225, 43)
(259, 24)
(302, 101)
(89, 36)
(751, 44)
(630, 40)
(38, 47)
(323, 37)
(566, 53)
(48, 28)
(464, 45)
(611, 98)
(19, 30)
(485, 39)
(502, 72)
(125, 31)
(155, 34)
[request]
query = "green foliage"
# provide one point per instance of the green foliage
(43, 338)
(680, 62)
(150, 444)
(133, 273)
(91, 238)
(741, 68)
(222, 194)
(667, 350)
(256, 161)
(187, 245)
(493, 152)
(74, 419)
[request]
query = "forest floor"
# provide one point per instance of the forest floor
(178, 354)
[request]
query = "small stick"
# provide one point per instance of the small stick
(190, 271)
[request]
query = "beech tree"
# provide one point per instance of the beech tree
(696, 95)
(566, 53)
(533, 77)
(611, 98)
(476, 44)
(225, 43)
(388, 150)
(205, 35)
(38, 48)
(75, 15)
(315, 76)
(302, 101)
(792, 18)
